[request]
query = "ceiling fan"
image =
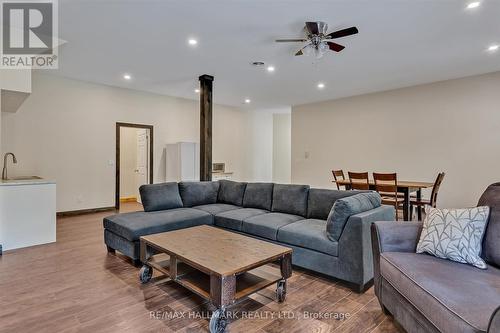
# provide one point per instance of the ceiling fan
(319, 40)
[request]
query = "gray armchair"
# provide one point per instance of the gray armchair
(428, 294)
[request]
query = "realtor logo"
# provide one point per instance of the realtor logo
(28, 34)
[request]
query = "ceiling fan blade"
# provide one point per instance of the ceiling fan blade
(312, 28)
(299, 53)
(297, 40)
(335, 47)
(342, 33)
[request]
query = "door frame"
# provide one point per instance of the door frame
(117, 158)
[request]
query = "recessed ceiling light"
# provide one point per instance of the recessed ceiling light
(197, 91)
(473, 5)
(192, 41)
(270, 68)
(247, 101)
(127, 77)
(493, 48)
(321, 85)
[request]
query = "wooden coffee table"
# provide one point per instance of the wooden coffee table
(218, 265)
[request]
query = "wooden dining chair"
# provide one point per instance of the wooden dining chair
(421, 203)
(359, 180)
(338, 175)
(386, 184)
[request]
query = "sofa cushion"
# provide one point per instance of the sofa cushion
(217, 208)
(231, 192)
(233, 219)
(160, 196)
(267, 225)
(346, 207)
(134, 225)
(290, 199)
(198, 193)
(491, 242)
(309, 234)
(453, 297)
(455, 234)
(320, 202)
(258, 195)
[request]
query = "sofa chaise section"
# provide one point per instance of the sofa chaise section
(133, 225)
(122, 231)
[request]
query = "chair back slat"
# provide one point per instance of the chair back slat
(359, 180)
(435, 188)
(386, 183)
(338, 175)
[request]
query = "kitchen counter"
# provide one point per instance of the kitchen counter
(10, 182)
(221, 175)
(27, 212)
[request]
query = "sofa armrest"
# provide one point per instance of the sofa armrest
(355, 249)
(392, 237)
(396, 236)
(494, 325)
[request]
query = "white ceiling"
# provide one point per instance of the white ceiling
(401, 43)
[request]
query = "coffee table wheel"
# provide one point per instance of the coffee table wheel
(281, 291)
(218, 322)
(145, 274)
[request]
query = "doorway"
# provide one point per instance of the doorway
(134, 161)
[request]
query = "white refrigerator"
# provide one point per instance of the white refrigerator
(182, 162)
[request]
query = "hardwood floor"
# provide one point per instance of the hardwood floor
(74, 285)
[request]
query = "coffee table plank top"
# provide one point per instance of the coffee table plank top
(222, 252)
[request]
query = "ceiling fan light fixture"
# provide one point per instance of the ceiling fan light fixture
(308, 49)
(318, 40)
(318, 53)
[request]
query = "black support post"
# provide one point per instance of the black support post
(206, 127)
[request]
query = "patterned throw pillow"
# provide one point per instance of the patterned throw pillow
(455, 234)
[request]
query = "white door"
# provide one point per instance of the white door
(142, 170)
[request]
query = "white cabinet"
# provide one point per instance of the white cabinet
(27, 213)
(182, 162)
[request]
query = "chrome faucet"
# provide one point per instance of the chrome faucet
(4, 170)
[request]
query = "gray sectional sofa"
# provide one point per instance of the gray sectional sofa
(292, 215)
(428, 294)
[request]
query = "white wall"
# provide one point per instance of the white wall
(128, 162)
(16, 79)
(258, 146)
(66, 131)
(282, 150)
(451, 126)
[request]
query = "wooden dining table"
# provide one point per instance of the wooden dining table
(404, 186)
